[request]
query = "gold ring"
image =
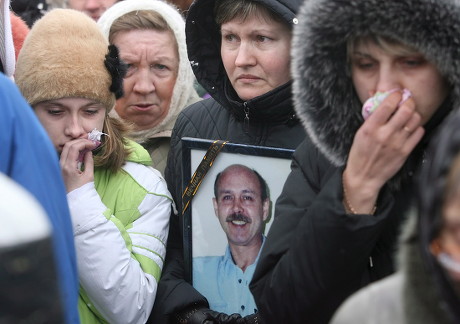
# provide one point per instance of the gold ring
(407, 129)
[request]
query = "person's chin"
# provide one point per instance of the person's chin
(248, 94)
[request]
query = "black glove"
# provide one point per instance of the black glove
(222, 318)
(193, 315)
(206, 316)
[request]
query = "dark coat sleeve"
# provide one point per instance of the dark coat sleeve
(174, 293)
(315, 254)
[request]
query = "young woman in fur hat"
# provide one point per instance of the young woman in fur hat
(338, 218)
(119, 205)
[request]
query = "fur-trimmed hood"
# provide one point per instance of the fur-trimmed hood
(184, 92)
(204, 54)
(324, 97)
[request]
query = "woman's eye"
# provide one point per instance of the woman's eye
(54, 112)
(91, 111)
(159, 66)
(413, 63)
(364, 65)
(130, 70)
(229, 37)
(262, 38)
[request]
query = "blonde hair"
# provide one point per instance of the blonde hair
(113, 152)
(140, 20)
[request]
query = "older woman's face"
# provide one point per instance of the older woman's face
(93, 8)
(256, 55)
(153, 62)
(374, 69)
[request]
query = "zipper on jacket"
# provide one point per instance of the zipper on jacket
(246, 117)
(371, 263)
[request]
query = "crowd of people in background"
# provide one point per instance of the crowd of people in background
(97, 96)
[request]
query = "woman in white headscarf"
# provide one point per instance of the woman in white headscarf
(160, 83)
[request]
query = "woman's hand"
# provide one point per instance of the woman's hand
(74, 177)
(380, 148)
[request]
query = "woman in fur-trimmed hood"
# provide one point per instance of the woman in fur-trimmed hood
(338, 218)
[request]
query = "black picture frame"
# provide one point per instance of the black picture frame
(273, 164)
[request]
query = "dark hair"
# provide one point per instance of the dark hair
(227, 10)
(262, 182)
(29, 10)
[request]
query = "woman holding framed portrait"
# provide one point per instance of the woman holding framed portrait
(244, 64)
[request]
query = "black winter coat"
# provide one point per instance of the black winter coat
(315, 254)
(270, 121)
(422, 291)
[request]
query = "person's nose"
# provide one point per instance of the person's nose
(387, 79)
(245, 56)
(237, 206)
(92, 5)
(74, 128)
(143, 82)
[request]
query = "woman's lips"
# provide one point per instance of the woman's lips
(248, 78)
(142, 107)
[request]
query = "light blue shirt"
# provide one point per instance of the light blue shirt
(224, 284)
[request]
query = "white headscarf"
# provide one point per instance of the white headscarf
(184, 92)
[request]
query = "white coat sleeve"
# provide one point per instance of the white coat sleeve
(119, 268)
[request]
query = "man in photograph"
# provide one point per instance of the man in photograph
(242, 205)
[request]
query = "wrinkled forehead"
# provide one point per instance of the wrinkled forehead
(238, 178)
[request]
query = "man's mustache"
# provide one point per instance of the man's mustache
(238, 217)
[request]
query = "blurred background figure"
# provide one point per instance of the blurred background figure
(93, 8)
(29, 10)
(19, 30)
(28, 278)
(28, 158)
(183, 5)
(159, 84)
(7, 58)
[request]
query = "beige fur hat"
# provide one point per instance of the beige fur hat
(66, 55)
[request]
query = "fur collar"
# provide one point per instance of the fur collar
(324, 97)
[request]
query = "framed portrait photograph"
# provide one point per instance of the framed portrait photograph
(228, 210)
